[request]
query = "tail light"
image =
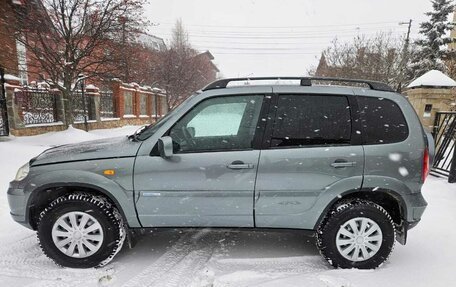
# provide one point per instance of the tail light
(426, 168)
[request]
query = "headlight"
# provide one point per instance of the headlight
(22, 172)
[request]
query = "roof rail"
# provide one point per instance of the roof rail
(304, 81)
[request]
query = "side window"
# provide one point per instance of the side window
(382, 121)
(223, 123)
(311, 120)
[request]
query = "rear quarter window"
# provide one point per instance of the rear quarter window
(382, 121)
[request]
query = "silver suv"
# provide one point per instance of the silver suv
(345, 162)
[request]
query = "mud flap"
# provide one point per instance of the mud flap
(401, 233)
(132, 236)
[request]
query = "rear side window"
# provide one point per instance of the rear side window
(382, 121)
(311, 120)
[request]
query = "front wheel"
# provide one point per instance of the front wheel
(356, 234)
(81, 231)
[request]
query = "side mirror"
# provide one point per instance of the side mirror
(165, 147)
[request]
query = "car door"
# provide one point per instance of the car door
(209, 180)
(312, 152)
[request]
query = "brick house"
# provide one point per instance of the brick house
(13, 53)
(210, 73)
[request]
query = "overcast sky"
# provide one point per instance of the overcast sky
(279, 37)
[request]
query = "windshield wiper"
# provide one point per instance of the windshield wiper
(136, 134)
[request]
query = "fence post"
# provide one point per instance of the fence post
(93, 102)
(117, 96)
(12, 107)
(452, 176)
(435, 128)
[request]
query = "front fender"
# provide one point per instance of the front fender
(123, 198)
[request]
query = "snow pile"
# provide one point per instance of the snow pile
(433, 78)
(73, 135)
(9, 77)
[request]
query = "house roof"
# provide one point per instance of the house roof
(210, 58)
(433, 78)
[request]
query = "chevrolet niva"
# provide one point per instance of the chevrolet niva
(346, 162)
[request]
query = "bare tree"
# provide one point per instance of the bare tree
(69, 37)
(378, 58)
(180, 70)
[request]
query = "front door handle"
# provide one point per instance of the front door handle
(341, 164)
(237, 164)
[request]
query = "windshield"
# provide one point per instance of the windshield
(147, 131)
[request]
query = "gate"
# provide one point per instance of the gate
(4, 126)
(445, 145)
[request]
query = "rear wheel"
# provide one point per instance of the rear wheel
(81, 231)
(356, 234)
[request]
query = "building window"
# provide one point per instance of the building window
(22, 61)
(427, 111)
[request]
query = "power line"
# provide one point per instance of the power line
(253, 49)
(276, 37)
(292, 31)
(279, 27)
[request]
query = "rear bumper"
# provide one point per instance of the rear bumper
(416, 204)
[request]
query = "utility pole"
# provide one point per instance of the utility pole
(405, 53)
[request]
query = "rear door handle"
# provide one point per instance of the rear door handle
(343, 164)
(239, 165)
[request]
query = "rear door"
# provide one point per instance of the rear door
(311, 150)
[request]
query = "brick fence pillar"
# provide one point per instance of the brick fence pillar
(13, 109)
(119, 101)
(93, 102)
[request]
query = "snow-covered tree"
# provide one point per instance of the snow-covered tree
(431, 49)
(180, 70)
(73, 37)
(364, 57)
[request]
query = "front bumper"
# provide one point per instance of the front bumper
(17, 201)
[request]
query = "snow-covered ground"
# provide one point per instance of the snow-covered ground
(222, 257)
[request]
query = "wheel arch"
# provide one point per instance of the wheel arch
(37, 202)
(390, 200)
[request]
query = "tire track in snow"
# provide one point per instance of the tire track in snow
(25, 259)
(179, 265)
(298, 265)
(250, 271)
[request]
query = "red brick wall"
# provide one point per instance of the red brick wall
(8, 54)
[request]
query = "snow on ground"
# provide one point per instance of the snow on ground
(222, 257)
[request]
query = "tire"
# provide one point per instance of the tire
(368, 246)
(98, 236)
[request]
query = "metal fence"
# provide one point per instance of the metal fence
(82, 106)
(107, 104)
(37, 106)
(445, 142)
